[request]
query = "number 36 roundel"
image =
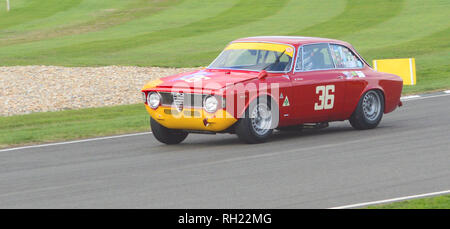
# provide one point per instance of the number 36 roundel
(326, 100)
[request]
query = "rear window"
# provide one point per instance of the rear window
(344, 57)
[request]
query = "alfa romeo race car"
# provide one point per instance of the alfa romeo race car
(258, 84)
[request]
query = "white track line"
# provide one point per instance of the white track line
(392, 200)
(75, 141)
(409, 97)
(422, 97)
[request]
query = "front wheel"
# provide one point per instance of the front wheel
(257, 124)
(369, 112)
(166, 135)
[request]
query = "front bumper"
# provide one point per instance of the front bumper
(192, 118)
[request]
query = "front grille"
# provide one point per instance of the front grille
(180, 100)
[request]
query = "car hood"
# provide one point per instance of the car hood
(203, 79)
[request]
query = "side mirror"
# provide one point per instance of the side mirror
(262, 74)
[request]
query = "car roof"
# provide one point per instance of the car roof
(292, 40)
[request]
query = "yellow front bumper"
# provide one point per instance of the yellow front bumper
(192, 118)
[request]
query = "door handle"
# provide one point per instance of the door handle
(340, 77)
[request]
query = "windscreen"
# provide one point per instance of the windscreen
(255, 57)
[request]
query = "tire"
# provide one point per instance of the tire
(369, 111)
(166, 135)
(255, 127)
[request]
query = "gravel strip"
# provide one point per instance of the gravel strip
(27, 89)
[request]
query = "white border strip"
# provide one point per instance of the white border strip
(411, 71)
(410, 97)
(448, 91)
(392, 200)
(75, 141)
(422, 97)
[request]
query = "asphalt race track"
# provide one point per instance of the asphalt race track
(408, 154)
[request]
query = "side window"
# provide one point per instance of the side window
(344, 58)
(316, 57)
(298, 63)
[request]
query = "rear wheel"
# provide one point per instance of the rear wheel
(166, 135)
(256, 125)
(369, 112)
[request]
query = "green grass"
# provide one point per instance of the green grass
(88, 16)
(28, 12)
(190, 33)
(439, 202)
(72, 124)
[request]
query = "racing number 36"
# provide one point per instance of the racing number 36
(326, 100)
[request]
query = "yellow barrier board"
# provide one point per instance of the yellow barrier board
(405, 68)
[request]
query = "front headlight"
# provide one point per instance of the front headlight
(153, 99)
(210, 104)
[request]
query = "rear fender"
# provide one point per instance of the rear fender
(372, 87)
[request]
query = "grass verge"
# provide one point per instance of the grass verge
(439, 202)
(72, 124)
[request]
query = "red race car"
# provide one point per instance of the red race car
(258, 84)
